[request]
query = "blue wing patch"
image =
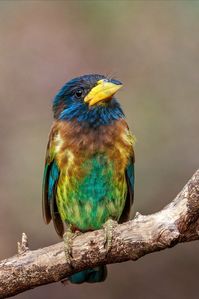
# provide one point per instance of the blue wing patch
(50, 210)
(52, 181)
(131, 175)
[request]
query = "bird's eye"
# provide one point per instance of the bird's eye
(78, 93)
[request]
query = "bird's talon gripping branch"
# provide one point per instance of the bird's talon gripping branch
(68, 237)
(109, 226)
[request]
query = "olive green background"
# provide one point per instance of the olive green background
(153, 48)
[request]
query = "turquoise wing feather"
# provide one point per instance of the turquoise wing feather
(49, 205)
(130, 174)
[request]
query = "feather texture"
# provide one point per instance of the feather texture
(89, 170)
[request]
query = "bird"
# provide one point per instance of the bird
(88, 180)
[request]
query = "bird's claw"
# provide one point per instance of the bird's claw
(109, 226)
(68, 245)
(68, 242)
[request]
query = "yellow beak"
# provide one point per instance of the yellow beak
(104, 90)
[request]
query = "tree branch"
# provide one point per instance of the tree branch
(177, 222)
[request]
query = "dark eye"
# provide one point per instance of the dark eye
(78, 93)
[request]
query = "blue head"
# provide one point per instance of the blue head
(89, 99)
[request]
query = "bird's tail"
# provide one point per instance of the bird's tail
(97, 274)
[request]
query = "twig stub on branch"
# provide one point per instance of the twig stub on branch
(22, 246)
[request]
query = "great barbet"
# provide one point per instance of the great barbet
(89, 166)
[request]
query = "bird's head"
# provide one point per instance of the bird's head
(88, 99)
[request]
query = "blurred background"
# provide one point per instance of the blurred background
(153, 48)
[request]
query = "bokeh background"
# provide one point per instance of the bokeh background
(153, 48)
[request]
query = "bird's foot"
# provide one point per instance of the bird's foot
(68, 235)
(109, 226)
(68, 242)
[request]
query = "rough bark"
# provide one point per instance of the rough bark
(177, 222)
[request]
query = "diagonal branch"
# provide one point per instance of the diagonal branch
(177, 222)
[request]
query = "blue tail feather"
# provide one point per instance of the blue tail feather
(97, 274)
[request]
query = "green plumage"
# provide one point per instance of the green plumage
(88, 202)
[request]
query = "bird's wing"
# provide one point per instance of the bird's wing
(50, 179)
(130, 177)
